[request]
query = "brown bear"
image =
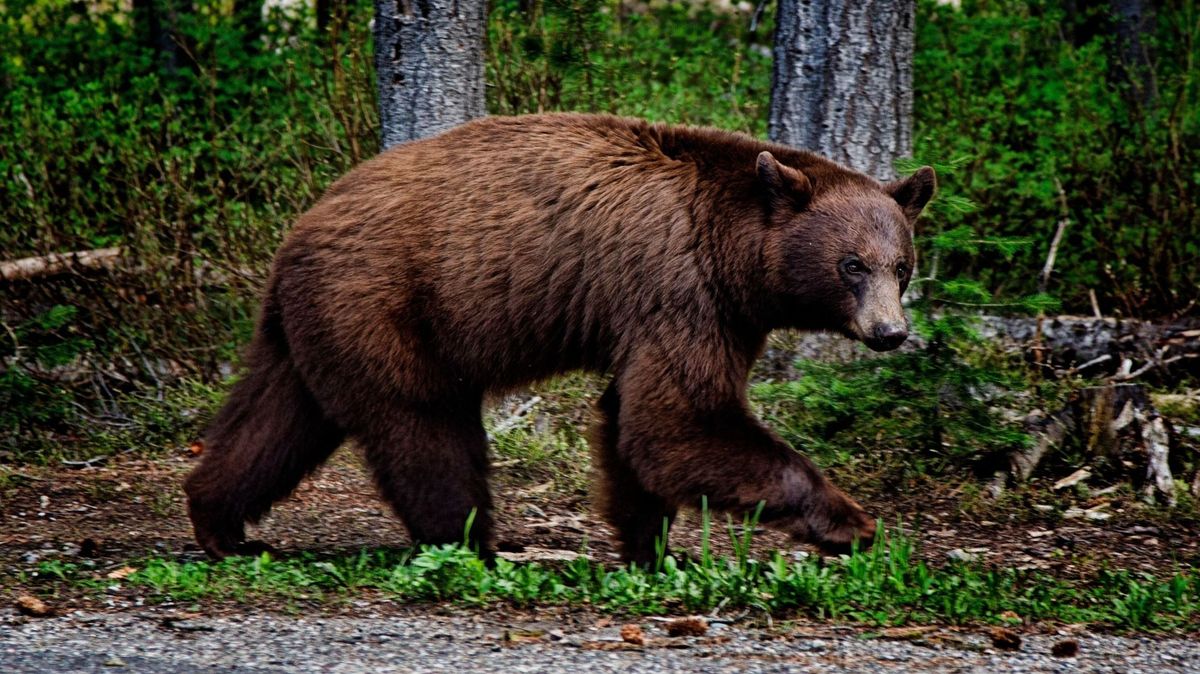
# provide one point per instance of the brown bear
(511, 249)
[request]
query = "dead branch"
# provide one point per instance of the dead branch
(1048, 268)
(55, 263)
(1095, 304)
(1063, 221)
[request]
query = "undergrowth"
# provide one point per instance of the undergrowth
(884, 586)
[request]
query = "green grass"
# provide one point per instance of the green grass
(885, 586)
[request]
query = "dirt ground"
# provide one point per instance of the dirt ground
(129, 508)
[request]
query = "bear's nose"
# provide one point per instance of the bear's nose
(888, 336)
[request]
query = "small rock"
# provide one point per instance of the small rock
(1005, 639)
(32, 606)
(960, 555)
(1067, 648)
(114, 661)
(531, 510)
(632, 634)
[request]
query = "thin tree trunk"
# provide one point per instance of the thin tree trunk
(842, 84)
(156, 25)
(248, 14)
(1133, 21)
(324, 10)
(429, 64)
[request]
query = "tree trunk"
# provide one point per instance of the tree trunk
(1133, 22)
(248, 14)
(156, 24)
(429, 61)
(842, 84)
(1127, 26)
(324, 10)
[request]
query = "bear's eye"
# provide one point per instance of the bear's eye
(901, 271)
(854, 267)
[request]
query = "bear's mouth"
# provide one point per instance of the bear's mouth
(874, 343)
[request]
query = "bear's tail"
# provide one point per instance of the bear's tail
(269, 435)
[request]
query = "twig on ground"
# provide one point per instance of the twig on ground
(513, 419)
(98, 460)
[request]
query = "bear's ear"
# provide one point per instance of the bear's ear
(785, 185)
(913, 192)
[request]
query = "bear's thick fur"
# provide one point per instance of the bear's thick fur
(511, 249)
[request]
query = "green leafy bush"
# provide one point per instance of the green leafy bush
(1053, 130)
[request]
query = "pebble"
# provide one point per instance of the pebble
(960, 555)
(135, 640)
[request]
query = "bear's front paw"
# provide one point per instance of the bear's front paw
(836, 527)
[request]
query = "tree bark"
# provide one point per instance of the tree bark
(1133, 21)
(429, 64)
(842, 81)
(156, 24)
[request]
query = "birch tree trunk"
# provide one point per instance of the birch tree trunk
(842, 81)
(429, 64)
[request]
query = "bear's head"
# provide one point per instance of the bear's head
(840, 248)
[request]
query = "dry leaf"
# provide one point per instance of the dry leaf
(632, 634)
(32, 606)
(1067, 648)
(523, 636)
(123, 572)
(89, 548)
(196, 448)
(687, 627)
(1005, 639)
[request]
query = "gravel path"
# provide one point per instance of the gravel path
(161, 642)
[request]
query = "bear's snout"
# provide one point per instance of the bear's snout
(886, 336)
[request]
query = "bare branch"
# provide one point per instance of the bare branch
(56, 263)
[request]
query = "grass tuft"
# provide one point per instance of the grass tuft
(885, 586)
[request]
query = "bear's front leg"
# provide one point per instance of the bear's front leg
(684, 440)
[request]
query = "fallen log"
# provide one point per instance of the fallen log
(56, 263)
(1095, 347)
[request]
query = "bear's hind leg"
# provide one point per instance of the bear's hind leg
(639, 516)
(430, 462)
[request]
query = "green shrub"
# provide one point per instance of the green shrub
(1052, 130)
